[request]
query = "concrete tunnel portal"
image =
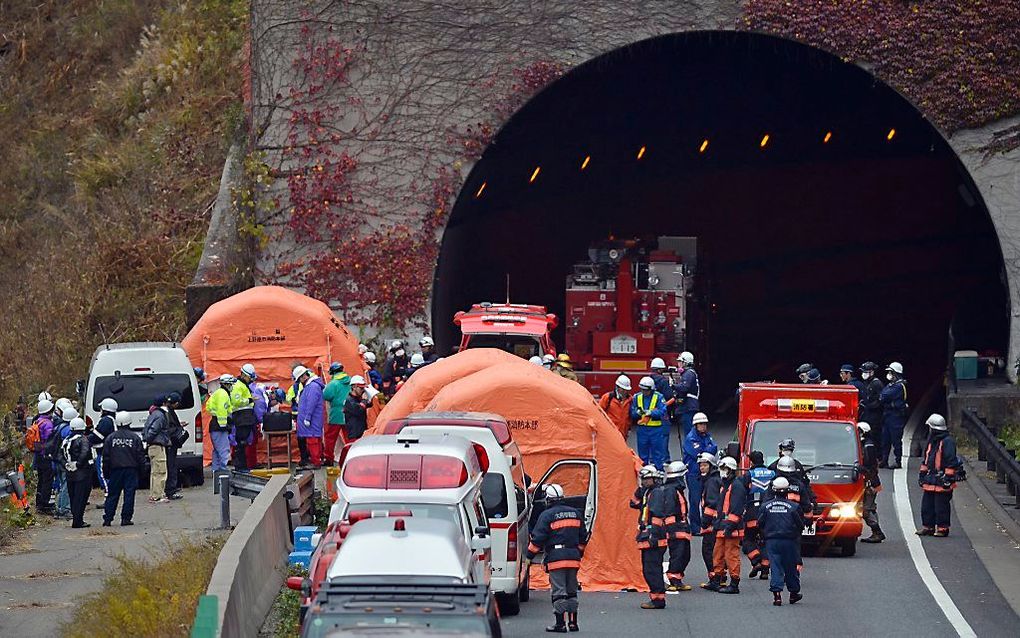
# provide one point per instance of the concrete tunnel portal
(835, 224)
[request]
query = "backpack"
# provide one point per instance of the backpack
(33, 437)
(52, 449)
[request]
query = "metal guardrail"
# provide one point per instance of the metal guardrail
(993, 451)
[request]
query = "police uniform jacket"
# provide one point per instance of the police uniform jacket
(122, 449)
(103, 429)
(561, 534)
(780, 518)
(732, 499)
(79, 451)
(756, 482)
(869, 452)
(669, 503)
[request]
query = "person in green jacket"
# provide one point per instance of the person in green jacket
(336, 393)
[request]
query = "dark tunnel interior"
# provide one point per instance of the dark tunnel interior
(851, 233)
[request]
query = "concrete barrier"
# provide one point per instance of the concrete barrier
(252, 565)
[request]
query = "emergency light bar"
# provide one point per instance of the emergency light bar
(405, 471)
(505, 318)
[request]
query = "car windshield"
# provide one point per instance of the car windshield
(817, 442)
(524, 346)
(136, 392)
(383, 623)
(418, 510)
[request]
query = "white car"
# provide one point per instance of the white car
(134, 374)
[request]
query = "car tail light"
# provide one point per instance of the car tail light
(483, 456)
(366, 471)
(511, 543)
(501, 431)
(199, 425)
(442, 472)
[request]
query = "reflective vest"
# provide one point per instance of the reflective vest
(654, 402)
(219, 406)
(240, 397)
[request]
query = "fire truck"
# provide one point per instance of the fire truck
(627, 304)
(520, 329)
(822, 421)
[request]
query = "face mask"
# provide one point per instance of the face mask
(785, 452)
(865, 375)
(890, 377)
(724, 472)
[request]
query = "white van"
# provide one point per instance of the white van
(134, 374)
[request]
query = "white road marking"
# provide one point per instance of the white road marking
(906, 518)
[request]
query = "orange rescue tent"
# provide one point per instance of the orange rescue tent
(272, 328)
(551, 418)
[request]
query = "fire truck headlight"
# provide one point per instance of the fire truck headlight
(842, 510)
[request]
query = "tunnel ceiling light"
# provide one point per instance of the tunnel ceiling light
(891, 134)
(641, 152)
(704, 146)
(481, 189)
(764, 141)
(584, 164)
(828, 136)
(534, 175)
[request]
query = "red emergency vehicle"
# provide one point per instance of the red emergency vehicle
(520, 329)
(822, 421)
(628, 304)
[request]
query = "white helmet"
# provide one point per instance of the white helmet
(708, 457)
(548, 359)
(108, 405)
(396, 345)
(123, 419)
(936, 422)
(417, 359)
(426, 341)
(399, 352)
(623, 382)
(786, 464)
(700, 417)
(864, 426)
(358, 380)
(657, 364)
(780, 484)
(45, 395)
(687, 358)
(553, 492)
(537, 360)
(648, 471)
(69, 414)
(646, 383)
(896, 367)
(362, 349)
(45, 406)
(77, 424)
(299, 371)
(249, 370)
(63, 404)
(675, 469)
(729, 462)
(369, 358)
(227, 379)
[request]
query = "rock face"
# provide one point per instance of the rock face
(367, 117)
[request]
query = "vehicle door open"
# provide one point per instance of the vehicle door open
(579, 480)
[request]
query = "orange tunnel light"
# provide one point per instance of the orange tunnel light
(534, 175)
(828, 136)
(764, 141)
(641, 152)
(584, 164)
(704, 145)
(481, 189)
(891, 134)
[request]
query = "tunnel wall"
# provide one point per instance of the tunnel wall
(419, 76)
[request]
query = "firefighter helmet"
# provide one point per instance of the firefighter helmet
(708, 457)
(357, 380)
(648, 471)
(536, 360)
(69, 413)
(563, 360)
(936, 422)
(646, 383)
(77, 424)
(700, 417)
(249, 371)
(369, 358)
(426, 342)
(553, 492)
(623, 382)
(123, 419)
(896, 367)
(687, 358)
(417, 360)
(675, 469)
(108, 405)
(786, 464)
(336, 367)
(729, 462)
(864, 426)
(787, 444)
(780, 484)
(657, 364)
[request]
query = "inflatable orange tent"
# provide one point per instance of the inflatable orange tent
(272, 328)
(551, 418)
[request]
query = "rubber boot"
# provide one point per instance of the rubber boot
(713, 584)
(572, 622)
(777, 598)
(732, 588)
(755, 570)
(653, 604)
(764, 573)
(941, 532)
(795, 597)
(559, 627)
(925, 531)
(876, 536)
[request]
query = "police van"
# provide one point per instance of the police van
(134, 375)
(431, 476)
(505, 494)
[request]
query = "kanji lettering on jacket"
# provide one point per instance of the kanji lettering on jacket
(560, 533)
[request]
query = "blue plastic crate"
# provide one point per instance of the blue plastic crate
(303, 537)
(300, 557)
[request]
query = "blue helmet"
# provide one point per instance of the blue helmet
(335, 367)
(200, 374)
(281, 396)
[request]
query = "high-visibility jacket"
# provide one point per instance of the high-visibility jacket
(939, 466)
(240, 397)
(672, 505)
(561, 534)
(655, 407)
(732, 497)
(219, 408)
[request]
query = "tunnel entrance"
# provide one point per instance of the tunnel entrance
(835, 224)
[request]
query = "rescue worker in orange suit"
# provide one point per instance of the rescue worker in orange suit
(651, 539)
(710, 486)
(940, 469)
(646, 481)
(756, 483)
(781, 524)
(872, 483)
(616, 404)
(729, 528)
(648, 411)
(560, 533)
(671, 502)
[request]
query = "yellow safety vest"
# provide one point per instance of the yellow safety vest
(218, 405)
(641, 406)
(240, 397)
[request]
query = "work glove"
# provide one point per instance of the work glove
(920, 480)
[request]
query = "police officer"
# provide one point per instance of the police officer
(648, 411)
(428, 349)
(781, 524)
(77, 455)
(104, 428)
(847, 377)
(561, 534)
(870, 406)
(710, 486)
(123, 454)
(803, 370)
(672, 504)
(937, 477)
(698, 440)
(756, 482)
(894, 416)
(219, 410)
(729, 527)
(688, 393)
(872, 483)
(651, 539)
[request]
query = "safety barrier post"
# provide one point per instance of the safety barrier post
(223, 483)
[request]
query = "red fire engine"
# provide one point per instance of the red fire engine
(628, 304)
(520, 329)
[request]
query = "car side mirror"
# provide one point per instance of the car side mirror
(733, 449)
(481, 530)
(481, 543)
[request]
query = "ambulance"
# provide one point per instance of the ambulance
(822, 421)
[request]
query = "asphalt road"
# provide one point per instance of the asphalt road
(877, 592)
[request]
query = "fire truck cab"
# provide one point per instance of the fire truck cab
(822, 420)
(519, 329)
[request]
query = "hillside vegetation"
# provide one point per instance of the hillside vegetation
(115, 116)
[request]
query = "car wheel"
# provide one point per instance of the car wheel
(509, 604)
(848, 547)
(525, 592)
